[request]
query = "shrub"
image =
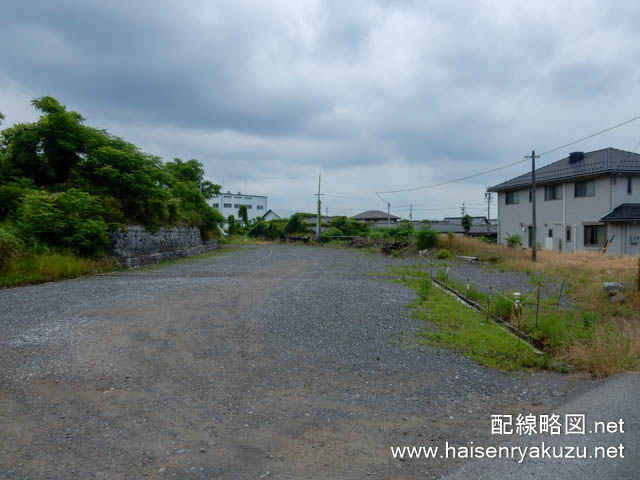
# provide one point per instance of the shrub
(84, 229)
(426, 238)
(259, 230)
(381, 233)
(11, 195)
(424, 288)
(276, 229)
(296, 224)
(403, 230)
(513, 240)
(40, 218)
(349, 226)
(330, 232)
(70, 219)
(443, 253)
(10, 246)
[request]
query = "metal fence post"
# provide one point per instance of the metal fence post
(537, 304)
(559, 295)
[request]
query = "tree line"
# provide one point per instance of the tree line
(64, 183)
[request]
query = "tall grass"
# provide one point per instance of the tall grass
(35, 266)
(595, 334)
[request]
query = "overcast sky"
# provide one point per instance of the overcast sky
(374, 96)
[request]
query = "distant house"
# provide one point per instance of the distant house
(376, 217)
(271, 215)
(582, 201)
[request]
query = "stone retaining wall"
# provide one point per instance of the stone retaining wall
(135, 246)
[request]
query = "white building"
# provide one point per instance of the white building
(229, 204)
(582, 201)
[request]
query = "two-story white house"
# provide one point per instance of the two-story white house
(582, 201)
(229, 204)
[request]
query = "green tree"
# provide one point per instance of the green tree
(296, 224)
(467, 222)
(46, 150)
(231, 225)
(244, 215)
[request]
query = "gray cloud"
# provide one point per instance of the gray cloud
(394, 93)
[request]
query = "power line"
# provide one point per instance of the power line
(452, 181)
(510, 164)
(589, 136)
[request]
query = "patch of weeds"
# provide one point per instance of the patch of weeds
(467, 331)
(501, 307)
(425, 286)
(50, 265)
(443, 254)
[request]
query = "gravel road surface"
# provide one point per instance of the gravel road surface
(262, 362)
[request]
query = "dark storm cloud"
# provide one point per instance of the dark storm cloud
(370, 93)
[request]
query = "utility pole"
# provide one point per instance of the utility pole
(388, 214)
(410, 212)
(533, 203)
(487, 195)
(319, 210)
(463, 209)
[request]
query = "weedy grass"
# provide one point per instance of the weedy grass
(468, 332)
(594, 334)
(34, 266)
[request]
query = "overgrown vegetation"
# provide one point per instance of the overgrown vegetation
(63, 184)
(467, 331)
(593, 333)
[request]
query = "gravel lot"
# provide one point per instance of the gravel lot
(262, 362)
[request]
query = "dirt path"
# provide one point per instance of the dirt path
(266, 362)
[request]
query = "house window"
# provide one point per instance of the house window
(585, 189)
(553, 192)
(512, 198)
(595, 235)
(629, 189)
(216, 205)
(227, 205)
(227, 196)
(260, 207)
(235, 205)
(249, 207)
(550, 233)
(568, 234)
(530, 195)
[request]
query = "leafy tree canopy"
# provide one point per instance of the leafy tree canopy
(59, 153)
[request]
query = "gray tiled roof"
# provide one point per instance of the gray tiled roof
(626, 212)
(374, 215)
(608, 160)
